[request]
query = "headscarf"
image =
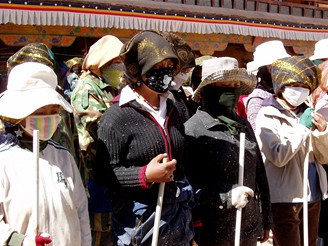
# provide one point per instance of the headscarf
(101, 52)
(34, 52)
(143, 51)
(295, 69)
(182, 50)
(74, 61)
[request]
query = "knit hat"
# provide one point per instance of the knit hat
(224, 69)
(31, 85)
(101, 52)
(34, 52)
(295, 69)
(320, 50)
(266, 53)
(143, 51)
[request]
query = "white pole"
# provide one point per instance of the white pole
(158, 211)
(240, 182)
(36, 148)
(305, 192)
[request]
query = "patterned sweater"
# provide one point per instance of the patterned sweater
(129, 138)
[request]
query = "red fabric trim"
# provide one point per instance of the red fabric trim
(142, 178)
(198, 223)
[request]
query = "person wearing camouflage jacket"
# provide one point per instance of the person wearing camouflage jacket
(91, 97)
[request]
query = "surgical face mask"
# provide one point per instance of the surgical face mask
(159, 79)
(295, 96)
(112, 74)
(179, 79)
(46, 124)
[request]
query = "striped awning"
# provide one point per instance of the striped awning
(106, 16)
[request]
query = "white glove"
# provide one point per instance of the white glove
(39, 240)
(239, 196)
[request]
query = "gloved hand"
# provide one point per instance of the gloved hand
(239, 196)
(306, 118)
(37, 240)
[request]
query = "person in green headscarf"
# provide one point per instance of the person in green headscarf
(213, 140)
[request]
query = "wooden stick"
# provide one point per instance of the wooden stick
(158, 211)
(240, 182)
(305, 192)
(36, 149)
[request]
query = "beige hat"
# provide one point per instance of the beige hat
(225, 69)
(268, 52)
(320, 50)
(31, 85)
(104, 50)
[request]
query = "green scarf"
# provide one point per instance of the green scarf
(233, 126)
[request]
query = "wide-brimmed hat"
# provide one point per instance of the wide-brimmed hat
(31, 85)
(224, 69)
(320, 50)
(268, 52)
(295, 69)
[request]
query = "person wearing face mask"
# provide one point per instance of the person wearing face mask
(141, 128)
(186, 63)
(285, 130)
(264, 55)
(97, 86)
(63, 205)
(74, 69)
(212, 147)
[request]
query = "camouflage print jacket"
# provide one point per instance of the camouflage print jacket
(90, 99)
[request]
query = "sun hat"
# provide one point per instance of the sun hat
(295, 69)
(320, 50)
(251, 67)
(101, 52)
(268, 52)
(224, 69)
(31, 85)
(33, 52)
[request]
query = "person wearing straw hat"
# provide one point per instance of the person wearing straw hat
(264, 55)
(285, 127)
(63, 205)
(212, 142)
(143, 126)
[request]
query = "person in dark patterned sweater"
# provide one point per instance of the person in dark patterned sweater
(143, 126)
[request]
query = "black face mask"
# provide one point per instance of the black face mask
(221, 100)
(159, 79)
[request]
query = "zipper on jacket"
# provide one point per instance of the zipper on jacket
(164, 130)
